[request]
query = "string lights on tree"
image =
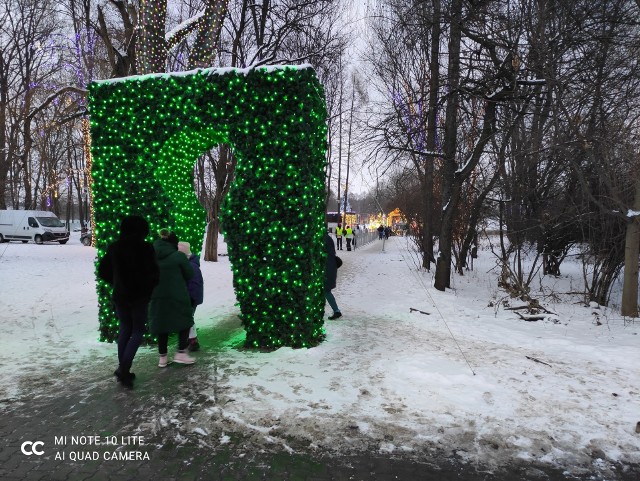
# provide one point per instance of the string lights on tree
(148, 132)
(86, 136)
(152, 48)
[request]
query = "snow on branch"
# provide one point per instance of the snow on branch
(533, 81)
(496, 93)
(174, 36)
(539, 317)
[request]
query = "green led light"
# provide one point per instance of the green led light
(148, 132)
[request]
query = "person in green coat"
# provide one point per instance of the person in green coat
(170, 307)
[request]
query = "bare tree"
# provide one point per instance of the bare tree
(405, 58)
(441, 121)
(118, 34)
(28, 61)
(599, 109)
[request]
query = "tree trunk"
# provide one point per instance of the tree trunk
(5, 161)
(205, 46)
(340, 100)
(25, 159)
(213, 228)
(629, 305)
(81, 212)
(69, 209)
(346, 185)
(211, 241)
(223, 173)
(434, 85)
(329, 169)
(443, 264)
(151, 52)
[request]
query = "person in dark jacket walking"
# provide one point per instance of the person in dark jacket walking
(130, 267)
(195, 286)
(330, 276)
(170, 308)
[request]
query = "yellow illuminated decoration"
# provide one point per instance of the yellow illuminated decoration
(86, 135)
(147, 133)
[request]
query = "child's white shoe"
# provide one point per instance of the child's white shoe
(182, 357)
(163, 361)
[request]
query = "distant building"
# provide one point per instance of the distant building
(395, 217)
(397, 222)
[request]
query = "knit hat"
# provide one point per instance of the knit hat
(134, 227)
(185, 247)
(173, 239)
(169, 236)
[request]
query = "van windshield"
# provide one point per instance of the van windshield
(50, 222)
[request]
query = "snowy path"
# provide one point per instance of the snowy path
(396, 381)
(385, 380)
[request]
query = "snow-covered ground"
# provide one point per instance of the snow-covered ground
(470, 377)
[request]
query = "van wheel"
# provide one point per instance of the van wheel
(38, 239)
(63, 242)
(1, 238)
(86, 241)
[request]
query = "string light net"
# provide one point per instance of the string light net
(147, 133)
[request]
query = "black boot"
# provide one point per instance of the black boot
(124, 377)
(116, 373)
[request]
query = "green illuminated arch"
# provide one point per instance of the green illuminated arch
(148, 131)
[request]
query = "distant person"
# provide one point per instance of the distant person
(380, 232)
(348, 234)
(195, 286)
(130, 267)
(170, 308)
(356, 234)
(339, 234)
(387, 232)
(330, 276)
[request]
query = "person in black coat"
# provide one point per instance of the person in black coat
(330, 276)
(130, 267)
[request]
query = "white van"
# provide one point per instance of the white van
(36, 225)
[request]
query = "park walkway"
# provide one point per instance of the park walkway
(90, 428)
(71, 411)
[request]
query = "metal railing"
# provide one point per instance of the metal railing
(363, 237)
